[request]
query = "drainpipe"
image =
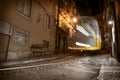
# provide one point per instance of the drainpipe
(57, 25)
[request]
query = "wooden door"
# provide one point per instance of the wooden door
(4, 40)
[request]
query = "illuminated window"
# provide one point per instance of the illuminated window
(24, 7)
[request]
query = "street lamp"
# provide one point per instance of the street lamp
(75, 19)
(110, 22)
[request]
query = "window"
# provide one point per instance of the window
(46, 43)
(5, 27)
(47, 21)
(24, 7)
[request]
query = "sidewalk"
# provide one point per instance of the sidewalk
(32, 60)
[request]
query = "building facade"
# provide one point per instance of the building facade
(117, 27)
(26, 22)
(66, 12)
(110, 24)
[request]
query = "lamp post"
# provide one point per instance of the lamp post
(112, 25)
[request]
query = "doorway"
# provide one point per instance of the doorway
(4, 41)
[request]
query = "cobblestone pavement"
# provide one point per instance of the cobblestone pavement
(101, 67)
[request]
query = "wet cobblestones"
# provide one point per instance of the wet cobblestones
(86, 68)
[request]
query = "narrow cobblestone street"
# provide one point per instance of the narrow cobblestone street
(102, 67)
(59, 39)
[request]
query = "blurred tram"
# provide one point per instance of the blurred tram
(86, 37)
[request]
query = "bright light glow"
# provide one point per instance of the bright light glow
(82, 44)
(82, 30)
(74, 19)
(110, 22)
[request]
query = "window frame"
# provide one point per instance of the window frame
(48, 20)
(24, 9)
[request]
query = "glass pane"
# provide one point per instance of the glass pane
(27, 7)
(21, 5)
